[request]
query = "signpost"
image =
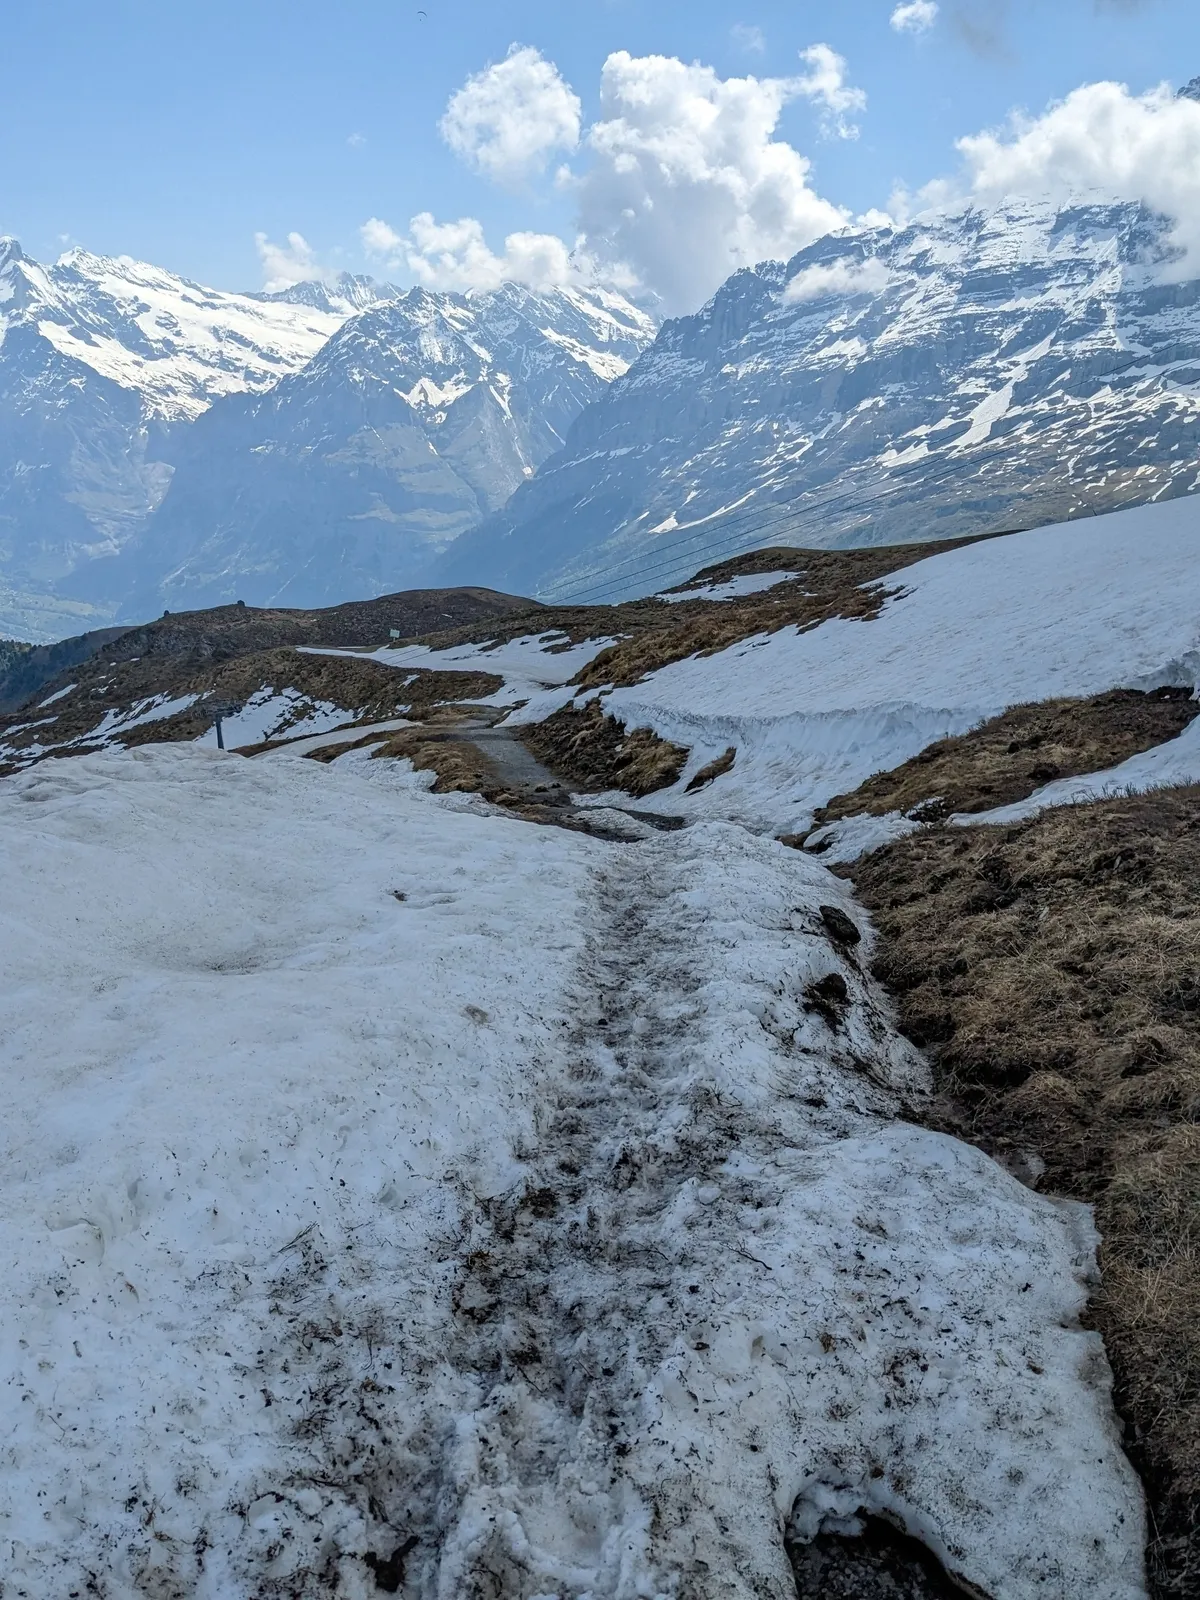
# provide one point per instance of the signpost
(218, 711)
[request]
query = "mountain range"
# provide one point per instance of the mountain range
(163, 445)
(152, 443)
(970, 372)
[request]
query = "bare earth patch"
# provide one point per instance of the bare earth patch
(1052, 970)
(594, 751)
(1009, 757)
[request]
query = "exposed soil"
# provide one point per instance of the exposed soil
(469, 755)
(1052, 970)
(880, 1564)
(594, 752)
(1011, 756)
(713, 769)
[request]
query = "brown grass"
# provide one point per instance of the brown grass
(593, 751)
(1053, 971)
(1007, 758)
(713, 769)
(365, 689)
(829, 583)
(460, 767)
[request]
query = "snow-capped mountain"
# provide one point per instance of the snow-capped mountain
(420, 416)
(101, 362)
(106, 366)
(967, 373)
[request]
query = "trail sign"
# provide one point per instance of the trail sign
(394, 633)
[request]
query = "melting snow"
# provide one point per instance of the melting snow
(1074, 609)
(731, 589)
(59, 694)
(376, 1169)
(274, 714)
(527, 665)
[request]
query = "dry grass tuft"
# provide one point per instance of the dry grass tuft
(594, 752)
(1007, 758)
(1052, 970)
(460, 767)
(714, 769)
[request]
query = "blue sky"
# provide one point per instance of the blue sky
(177, 133)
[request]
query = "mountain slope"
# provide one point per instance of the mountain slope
(966, 373)
(419, 417)
(101, 360)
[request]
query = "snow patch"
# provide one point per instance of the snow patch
(730, 589)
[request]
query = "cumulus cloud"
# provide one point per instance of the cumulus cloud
(687, 182)
(825, 85)
(286, 264)
(1100, 140)
(836, 278)
(682, 178)
(455, 255)
(917, 16)
(507, 120)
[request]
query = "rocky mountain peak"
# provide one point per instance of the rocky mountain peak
(972, 370)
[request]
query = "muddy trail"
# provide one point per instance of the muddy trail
(686, 1362)
(580, 1285)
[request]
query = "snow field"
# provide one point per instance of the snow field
(534, 1216)
(1105, 602)
(528, 665)
(245, 1089)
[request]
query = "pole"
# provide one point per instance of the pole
(220, 736)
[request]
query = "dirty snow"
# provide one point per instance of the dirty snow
(378, 1169)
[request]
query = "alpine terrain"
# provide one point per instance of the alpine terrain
(971, 372)
(687, 1097)
(332, 489)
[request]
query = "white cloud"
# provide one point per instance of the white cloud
(507, 120)
(682, 183)
(286, 264)
(356, 141)
(748, 38)
(825, 85)
(917, 16)
(837, 278)
(1101, 140)
(455, 255)
(686, 182)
